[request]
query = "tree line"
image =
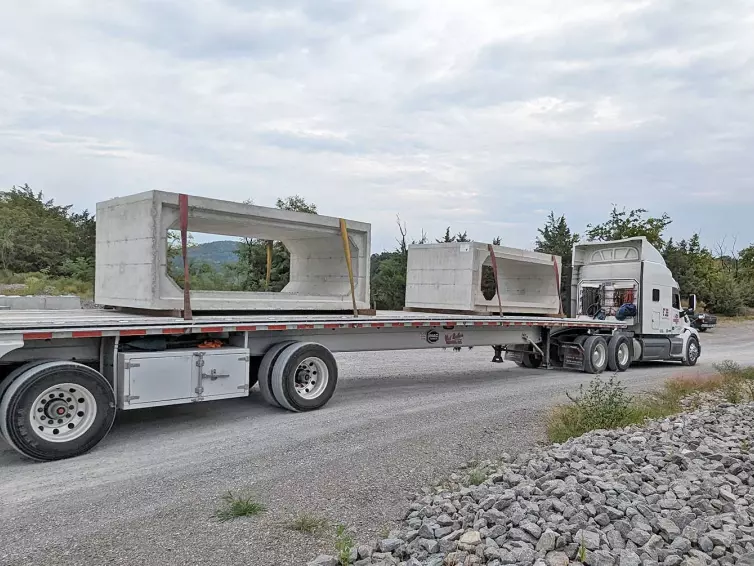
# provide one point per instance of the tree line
(39, 236)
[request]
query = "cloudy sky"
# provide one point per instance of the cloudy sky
(479, 114)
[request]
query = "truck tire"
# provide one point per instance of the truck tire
(619, 353)
(595, 354)
(56, 410)
(265, 371)
(5, 383)
(304, 377)
(531, 361)
(693, 350)
(254, 363)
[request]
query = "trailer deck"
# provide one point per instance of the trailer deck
(93, 323)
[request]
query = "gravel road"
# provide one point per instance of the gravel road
(399, 420)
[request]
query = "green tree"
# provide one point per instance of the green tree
(692, 265)
(556, 238)
(38, 235)
(251, 268)
(296, 204)
(628, 224)
(725, 295)
(388, 272)
(447, 238)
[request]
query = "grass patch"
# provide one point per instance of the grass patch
(309, 524)
(343, 545)
(238, 506)
(606, 404)
(477, 476)
(45, 284)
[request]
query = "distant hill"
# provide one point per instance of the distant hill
(214, 253)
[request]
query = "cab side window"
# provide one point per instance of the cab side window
(676, 301)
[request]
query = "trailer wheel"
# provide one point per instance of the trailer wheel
(595, 354)
(56, 410)
(531, 361)
(254, 363)
(692, 352)
(265, 371)
(619, 353)
(304, 377)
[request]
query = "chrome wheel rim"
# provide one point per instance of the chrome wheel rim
(599, 355)
(63, 412)
(693, 351)
(312, 377)
(623, 354)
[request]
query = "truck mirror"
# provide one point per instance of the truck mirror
(692, 303)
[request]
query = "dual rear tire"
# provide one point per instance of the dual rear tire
(298, 376)
(601, 354)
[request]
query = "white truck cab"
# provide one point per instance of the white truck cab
(627, 280)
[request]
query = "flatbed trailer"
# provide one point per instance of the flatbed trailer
(65, 374)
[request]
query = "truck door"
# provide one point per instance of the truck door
(656, 309)
(668, 312)
(675, 313)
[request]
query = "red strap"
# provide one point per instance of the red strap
(493, 261)
(557, 284)
(183, 206)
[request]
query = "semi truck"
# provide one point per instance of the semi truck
(65, 374)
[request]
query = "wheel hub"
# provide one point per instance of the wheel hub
(623, 354)
(311, 378)
(63, 412)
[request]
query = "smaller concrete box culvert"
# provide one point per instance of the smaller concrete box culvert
(455, 277)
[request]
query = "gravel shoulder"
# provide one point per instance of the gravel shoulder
(399, 421)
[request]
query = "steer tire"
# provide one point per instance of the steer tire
(304, 377)
(265, 371)
(693, 350)
(83, 396)
(592, 346)
(619, 356)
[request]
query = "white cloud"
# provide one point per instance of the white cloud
(478, 114)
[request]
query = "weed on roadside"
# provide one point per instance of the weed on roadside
(603, 404)
(582, 550)
(238, 506)
(606, 404)
(309, 524)
(477, 476)
(343, 545)
(738, 382)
